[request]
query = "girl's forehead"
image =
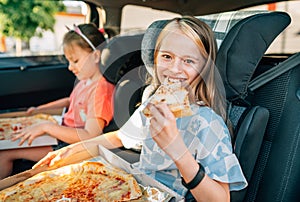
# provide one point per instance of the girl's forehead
(72, 51)
(70, 46)
(180, 44)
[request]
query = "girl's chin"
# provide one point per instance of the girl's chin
(82, 78)
(79, 77)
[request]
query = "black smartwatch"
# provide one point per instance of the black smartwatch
(196, 180)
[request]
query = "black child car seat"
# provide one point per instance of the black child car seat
(237, 60)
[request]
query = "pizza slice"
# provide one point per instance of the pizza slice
(175, 95)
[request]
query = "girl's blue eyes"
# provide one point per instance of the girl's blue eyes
(189, 61)
(169, 57)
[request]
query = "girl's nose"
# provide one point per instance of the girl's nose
(177, 65)
(70, 67)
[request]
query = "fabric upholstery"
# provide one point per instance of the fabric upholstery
(277, 174)
(235, 61)
(121, 54)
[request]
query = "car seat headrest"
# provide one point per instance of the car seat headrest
(149, 41)
(121, 54)
(234, 32)
(235, 61)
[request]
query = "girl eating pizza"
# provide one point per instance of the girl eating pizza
(193, 154)
(89, 105)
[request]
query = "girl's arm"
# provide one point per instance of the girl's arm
(71, 135)
(109, 140)
(57, 104)
(208, 189)
(93, 128)
(164, 131)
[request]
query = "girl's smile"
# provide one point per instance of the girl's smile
(178, 58)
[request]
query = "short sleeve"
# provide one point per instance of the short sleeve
(220, 163)
(101, 102)
(132, 132)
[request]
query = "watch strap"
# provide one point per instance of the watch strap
(196, 180)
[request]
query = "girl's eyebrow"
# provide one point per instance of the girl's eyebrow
(184, 56)
(72, 59)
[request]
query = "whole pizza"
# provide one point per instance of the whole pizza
(11, 126)
(86, 181)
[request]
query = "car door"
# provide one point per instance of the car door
(38, 73)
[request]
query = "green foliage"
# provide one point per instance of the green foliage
(26, 18)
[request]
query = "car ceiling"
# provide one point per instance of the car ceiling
(184, 7)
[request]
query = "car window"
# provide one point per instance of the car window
(289, 40)
(49, 42)
(138, 18)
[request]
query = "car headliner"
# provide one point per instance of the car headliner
(185, 7)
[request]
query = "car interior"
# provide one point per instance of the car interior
(262, 91)
(249, 116)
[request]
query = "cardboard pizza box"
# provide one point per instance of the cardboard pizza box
(44, 140)
(141, 178)
(105, 154)
(12, 114)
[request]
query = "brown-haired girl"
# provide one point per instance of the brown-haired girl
(89, 105)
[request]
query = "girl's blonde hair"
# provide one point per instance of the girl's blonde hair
(208, 85)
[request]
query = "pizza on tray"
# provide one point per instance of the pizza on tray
(175, 95)
(11, 126)
(86, 181)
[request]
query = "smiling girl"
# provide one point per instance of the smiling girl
(191, 155)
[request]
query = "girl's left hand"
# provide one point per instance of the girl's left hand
(31, 132)
(164, 131)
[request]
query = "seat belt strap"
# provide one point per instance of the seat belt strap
(273, 73)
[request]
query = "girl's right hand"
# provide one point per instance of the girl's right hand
(164, 131)
(54, 158)
(30, 110)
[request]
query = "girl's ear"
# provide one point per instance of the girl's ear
(97, 56)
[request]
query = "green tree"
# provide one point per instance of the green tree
(24, 19)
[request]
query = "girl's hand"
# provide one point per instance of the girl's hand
(30, 110)
(32, 132)
(164, 131)
(52, 159)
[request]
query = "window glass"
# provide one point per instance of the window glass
(138, 18)
(49, 43)
(289, 40)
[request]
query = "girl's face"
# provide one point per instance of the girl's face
(81, 62)
(178, 58)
